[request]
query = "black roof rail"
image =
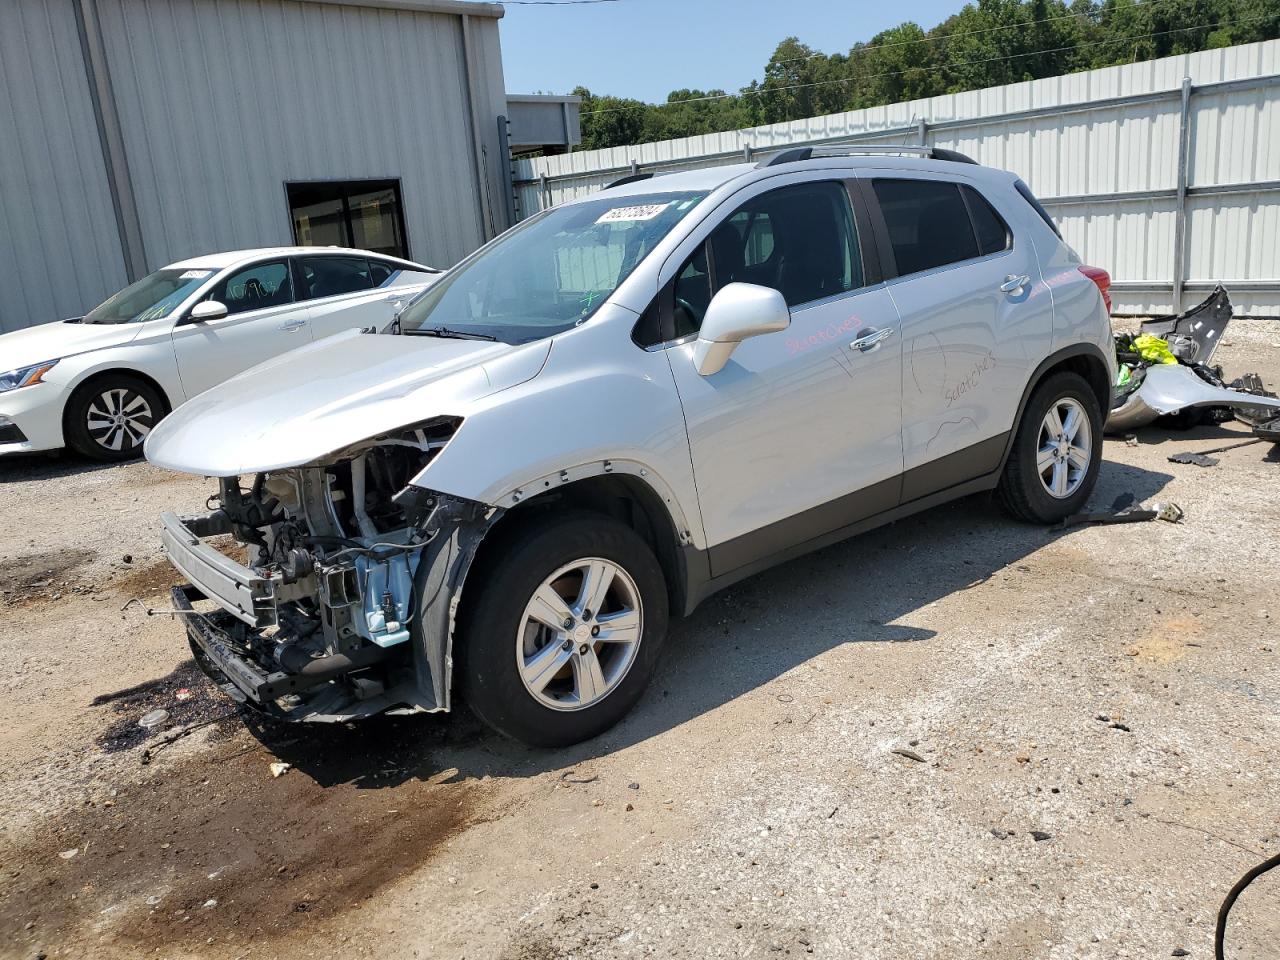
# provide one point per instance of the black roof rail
(796, 154)
(633, 178)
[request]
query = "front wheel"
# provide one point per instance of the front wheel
(109, 419)
(563, 634)
(1057, 452)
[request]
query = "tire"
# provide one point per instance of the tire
(1064, 486)
(495, 630)
(109, 418)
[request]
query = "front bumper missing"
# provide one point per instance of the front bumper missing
(232, 586)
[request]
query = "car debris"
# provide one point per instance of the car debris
(1165, 370)
(1202, 459)
(280, 768)
(1169, 512)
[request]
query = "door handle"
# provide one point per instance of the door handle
(293, 325)
(869, 340)
(1012, 283)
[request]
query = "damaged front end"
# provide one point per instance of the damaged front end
(345, 607)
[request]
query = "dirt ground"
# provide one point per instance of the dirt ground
(953, 737)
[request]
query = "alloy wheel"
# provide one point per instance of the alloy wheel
(579, 634)
(1065, 448)
(119, 419)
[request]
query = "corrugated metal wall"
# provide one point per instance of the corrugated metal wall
(59, 247)
(1108, 171)
(220, 102)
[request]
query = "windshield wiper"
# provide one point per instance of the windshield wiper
(445, 332)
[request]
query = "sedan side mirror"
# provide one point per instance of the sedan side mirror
(738, 311)
(207, 310)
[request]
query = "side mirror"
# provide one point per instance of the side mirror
(207, 310)
(738, 311)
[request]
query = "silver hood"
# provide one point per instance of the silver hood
(298, 407)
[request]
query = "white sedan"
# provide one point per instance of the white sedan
(100, 382)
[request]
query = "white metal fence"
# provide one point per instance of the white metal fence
(1166, 172)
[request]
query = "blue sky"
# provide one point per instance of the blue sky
(646, 48)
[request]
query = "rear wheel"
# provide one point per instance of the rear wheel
(563, 635)
(109, 419)
(1057, 452)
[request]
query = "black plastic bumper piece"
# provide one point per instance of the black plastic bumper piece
(9, 433)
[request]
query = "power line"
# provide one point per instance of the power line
(946, 65)
(964, 33)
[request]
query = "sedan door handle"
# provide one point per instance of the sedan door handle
(868, 340)
(293, 325)
(1012, 283)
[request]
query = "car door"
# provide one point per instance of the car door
(799, 434)
(345, 293)
(972, 303)
(263, 319)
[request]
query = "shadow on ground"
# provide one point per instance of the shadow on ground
(210, 844)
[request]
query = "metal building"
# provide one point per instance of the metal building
(138, 132)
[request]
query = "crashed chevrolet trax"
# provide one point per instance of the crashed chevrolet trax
(620, 406)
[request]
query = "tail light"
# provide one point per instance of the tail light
(1103, 280)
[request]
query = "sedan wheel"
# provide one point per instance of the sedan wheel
(119, 419)
(110, 417)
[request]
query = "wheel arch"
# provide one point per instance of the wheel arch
(1085, 359)
(98, 376)
(625, 497)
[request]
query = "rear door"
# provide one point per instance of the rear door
(347, 292)
(799, 434)
(263, 319)
(975, 316)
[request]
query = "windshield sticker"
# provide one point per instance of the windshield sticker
(196, 274)
(645, 211)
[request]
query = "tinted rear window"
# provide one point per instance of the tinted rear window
(928, 223)
(993, 235)
(1030, 197)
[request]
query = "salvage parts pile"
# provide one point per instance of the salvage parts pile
(1165, 371)
(346, 606)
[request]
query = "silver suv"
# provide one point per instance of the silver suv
(619, 407)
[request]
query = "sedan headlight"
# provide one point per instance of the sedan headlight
(25, 376)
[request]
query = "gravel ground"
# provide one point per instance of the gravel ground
(953, 737)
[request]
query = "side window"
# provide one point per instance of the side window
(993, 235)
(332, 276)
(380, 272)
(692, 294)
(800, 240)
(927, 222)
(255, 288)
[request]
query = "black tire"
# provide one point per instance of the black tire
(1022, 492)
(492, 616)
(96, 402)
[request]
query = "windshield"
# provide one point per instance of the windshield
(151, 298)
(550, 273)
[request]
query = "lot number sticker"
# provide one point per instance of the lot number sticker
(645, 211)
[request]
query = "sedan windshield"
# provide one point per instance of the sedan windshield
(151, 298)
(550, 273)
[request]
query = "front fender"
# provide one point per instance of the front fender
(600, 405)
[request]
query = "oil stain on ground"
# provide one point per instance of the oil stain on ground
(33, 577)
(215, 847)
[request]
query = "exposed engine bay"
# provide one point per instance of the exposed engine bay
(346, 604)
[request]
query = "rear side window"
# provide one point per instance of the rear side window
(1037, 206)
(332, 276)
(928, 223)
(992, 234)
(380, 272)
